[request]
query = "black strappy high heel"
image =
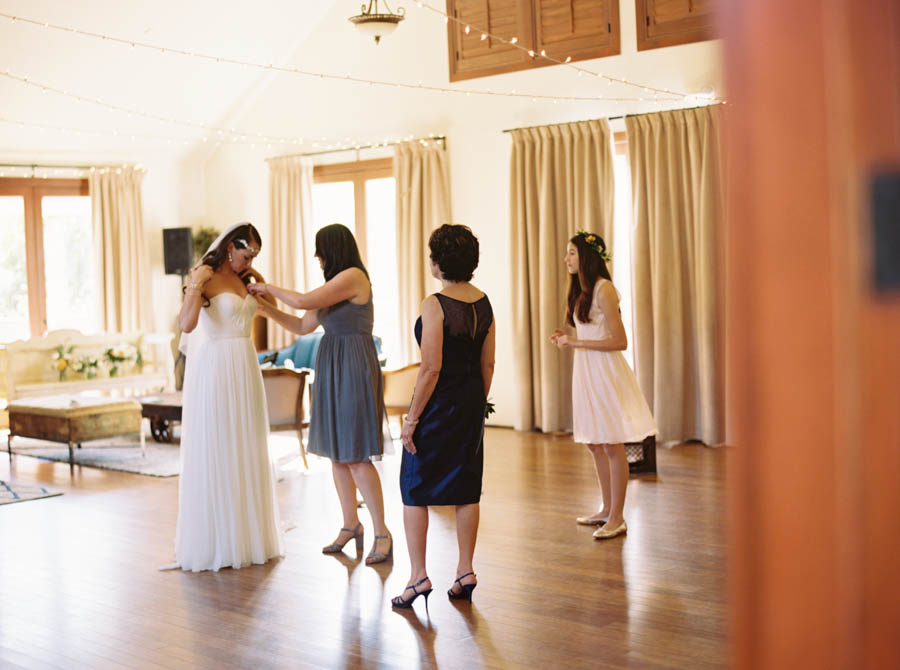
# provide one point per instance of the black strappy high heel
(337, 547)
(466, 593)
(402, 604)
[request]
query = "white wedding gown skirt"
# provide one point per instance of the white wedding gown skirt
(227, 504)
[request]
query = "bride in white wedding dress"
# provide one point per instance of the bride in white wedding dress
(227, 504)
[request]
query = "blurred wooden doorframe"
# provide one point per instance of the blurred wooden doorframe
(813, 355)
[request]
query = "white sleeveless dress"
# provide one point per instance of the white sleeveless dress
(607, 404)
(227, 504)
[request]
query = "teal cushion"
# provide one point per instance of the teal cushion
(303, 351)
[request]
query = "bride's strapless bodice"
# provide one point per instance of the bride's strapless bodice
(228, 315)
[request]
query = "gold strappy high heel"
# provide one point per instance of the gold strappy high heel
(374, 557)
(337, 547)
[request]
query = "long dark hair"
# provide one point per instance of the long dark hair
(337, 248)
(242, 236)
(591, 267)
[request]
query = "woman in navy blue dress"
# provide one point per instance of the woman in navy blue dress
(443, 433)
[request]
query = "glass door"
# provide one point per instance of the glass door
(14, 313)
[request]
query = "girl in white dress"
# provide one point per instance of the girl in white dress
(227, 505)
(608, 408)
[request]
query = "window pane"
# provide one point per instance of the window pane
(332, 203)
(69, 265)
(13, 273)
(381, 240)
(621, 252)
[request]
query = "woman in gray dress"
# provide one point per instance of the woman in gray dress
(347, 405)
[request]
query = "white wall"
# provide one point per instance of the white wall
(237, 177)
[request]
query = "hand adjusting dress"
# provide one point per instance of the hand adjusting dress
(449, 460)
(227, 507)
(347, 404)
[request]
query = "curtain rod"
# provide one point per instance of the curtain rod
(436, 138)
(613, 118)
(563, 123)
(48, 166)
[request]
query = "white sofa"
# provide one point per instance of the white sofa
(26, 366)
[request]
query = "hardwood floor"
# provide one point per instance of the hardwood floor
(79, 586)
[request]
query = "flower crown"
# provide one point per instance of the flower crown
(594, 243)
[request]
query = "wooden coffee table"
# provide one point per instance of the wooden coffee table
(162, 410)
(73, 420)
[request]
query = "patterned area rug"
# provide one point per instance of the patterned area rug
(13, 492)
(124, 453)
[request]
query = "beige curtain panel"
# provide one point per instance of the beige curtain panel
(677, 187)
(290, 207)
(561, 180)
(423, 203)
(122, 260)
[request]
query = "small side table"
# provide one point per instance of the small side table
(162, 410)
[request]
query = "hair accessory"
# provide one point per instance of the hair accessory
(594, 243)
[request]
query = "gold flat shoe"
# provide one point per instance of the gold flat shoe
(601, 534)
(589, 521)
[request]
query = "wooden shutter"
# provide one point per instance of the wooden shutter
(471, 56)
(662, 23)
(581, 29)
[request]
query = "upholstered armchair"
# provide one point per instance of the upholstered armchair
(398, 388)
(284, 398)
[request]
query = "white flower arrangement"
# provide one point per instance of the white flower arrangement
(87, 365)
(62, 359)
(119, 355)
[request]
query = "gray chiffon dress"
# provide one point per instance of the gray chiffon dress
(347, 400)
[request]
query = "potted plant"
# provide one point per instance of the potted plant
(202, 238)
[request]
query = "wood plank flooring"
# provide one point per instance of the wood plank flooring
(79, 586)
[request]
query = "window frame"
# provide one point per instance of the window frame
(32, 190)
(358, 172)
(685, 30)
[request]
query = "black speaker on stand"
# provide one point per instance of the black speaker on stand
(178, 250)
(178, 258)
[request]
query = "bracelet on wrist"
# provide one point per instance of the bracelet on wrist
(411, 422)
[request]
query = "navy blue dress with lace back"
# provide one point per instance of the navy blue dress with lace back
(449, 460)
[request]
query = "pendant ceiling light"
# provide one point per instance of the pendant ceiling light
(375, 23)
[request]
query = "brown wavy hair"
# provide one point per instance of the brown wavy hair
(591, 267)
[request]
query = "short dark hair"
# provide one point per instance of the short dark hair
(455, 250)
(337, 248)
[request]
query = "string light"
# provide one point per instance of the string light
(65, 172)
(345, 143)
(296, 71)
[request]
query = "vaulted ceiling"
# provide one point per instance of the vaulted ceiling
(171, 86)
(309, 34)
